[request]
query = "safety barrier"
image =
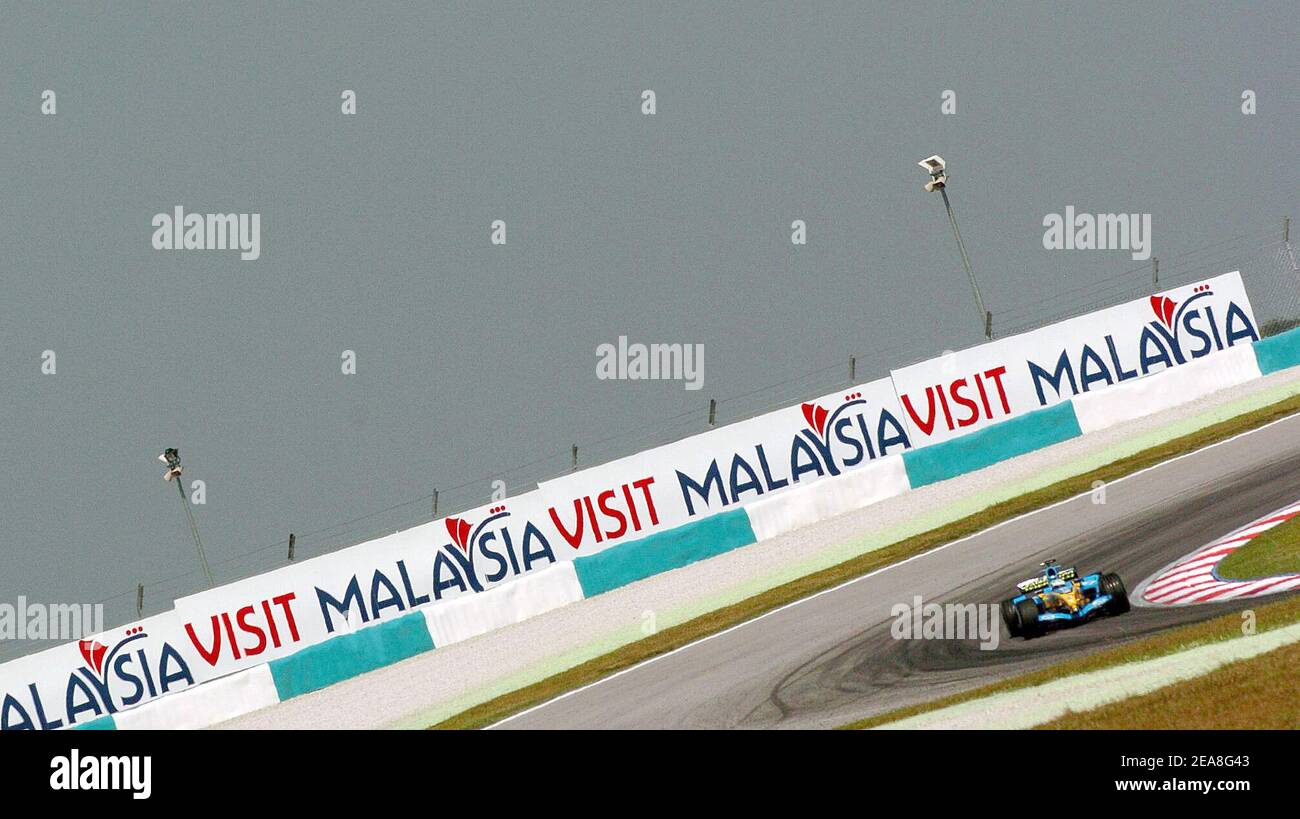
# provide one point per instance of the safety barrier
(350, 655)
(106, 723)
(474, 614)
(629, 562)
(986, 447)
(819, 501)
(1165, 390)
(221, 699)
(428, 623)
(1280, 352)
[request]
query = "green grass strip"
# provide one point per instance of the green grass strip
(1274, 552)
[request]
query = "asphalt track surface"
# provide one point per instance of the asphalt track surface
(830, 659)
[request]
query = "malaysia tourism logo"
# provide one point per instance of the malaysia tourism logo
(481, 555)
(1169, 312)
(819, 419)
(95, 652)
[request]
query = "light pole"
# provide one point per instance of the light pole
(172, 458)
(935, 166)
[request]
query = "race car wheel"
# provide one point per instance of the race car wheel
(1027, 614)
(1010, 617)
(1112, 585)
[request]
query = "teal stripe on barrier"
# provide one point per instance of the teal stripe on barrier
(1278, 352)
(105, 723)
(350, 655)
(661, 552)
(986, 447)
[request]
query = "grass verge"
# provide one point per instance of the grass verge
(1274, 552)
(1273, 615)
(499, 708)
(1259, 692)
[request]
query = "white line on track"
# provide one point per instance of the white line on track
(882, 570)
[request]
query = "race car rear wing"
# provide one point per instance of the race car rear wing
(1034, 584)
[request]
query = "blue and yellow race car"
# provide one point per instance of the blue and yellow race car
(1059, 597)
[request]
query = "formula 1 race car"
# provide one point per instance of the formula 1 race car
(1059, 597)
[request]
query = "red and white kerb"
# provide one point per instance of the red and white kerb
(1193, 579)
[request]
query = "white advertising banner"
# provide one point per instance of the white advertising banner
(81, 681)
(956, 394)
(707, 473)
(272, 615)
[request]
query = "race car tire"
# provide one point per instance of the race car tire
(1011, 618)
(1027, 614)
(1112, 585)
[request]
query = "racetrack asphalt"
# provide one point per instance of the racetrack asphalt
(830, 659)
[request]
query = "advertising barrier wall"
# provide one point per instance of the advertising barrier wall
(350, 655)
(310, 624)
(1167, 389)
(960, 393)
(811, 503)
(732, 465)
(1000, 442)
(1279, 352)
(216, 701)
(79, 682)
(531, 595)
(663, 551)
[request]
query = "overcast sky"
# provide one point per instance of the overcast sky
(473, 358)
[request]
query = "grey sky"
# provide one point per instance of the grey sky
(671, 228)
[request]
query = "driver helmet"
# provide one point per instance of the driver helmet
(1053, 575)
